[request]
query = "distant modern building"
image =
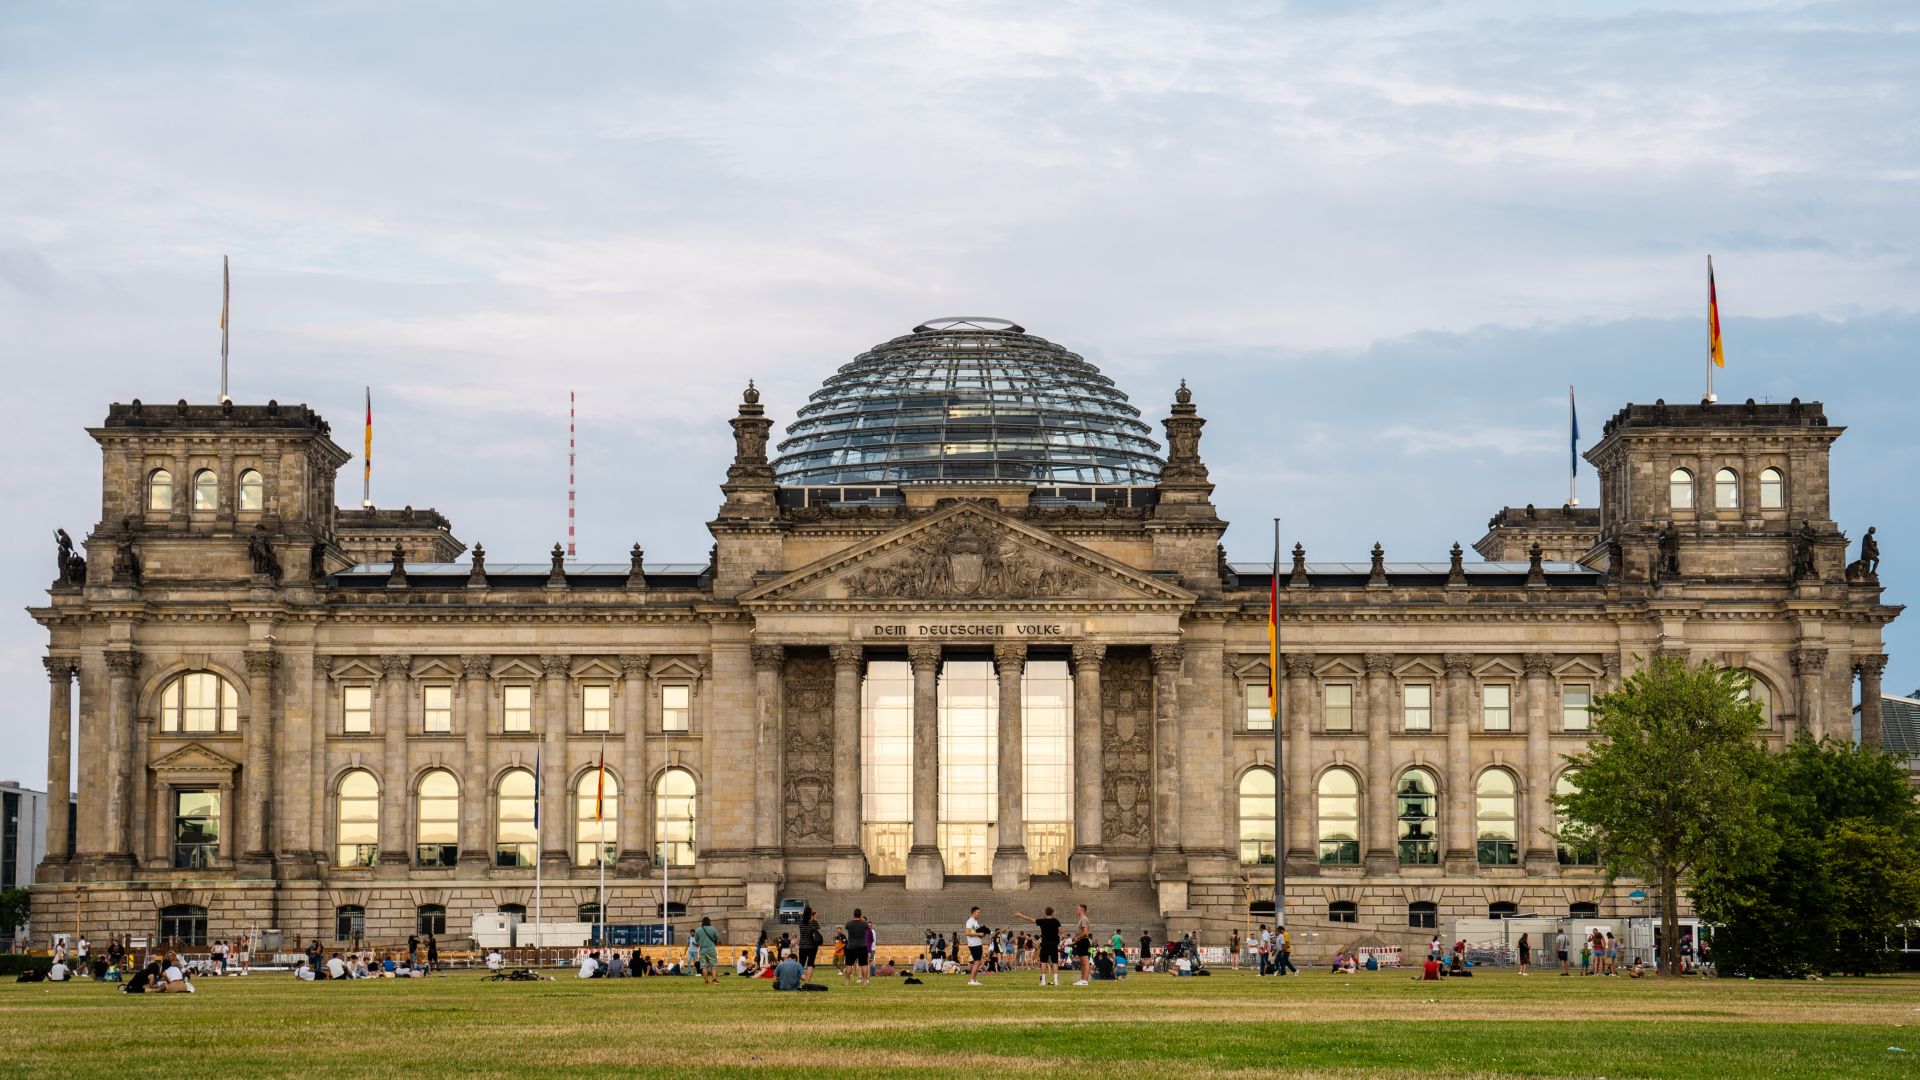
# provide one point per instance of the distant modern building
(1900, 727)
(968, 636)
(23, 837)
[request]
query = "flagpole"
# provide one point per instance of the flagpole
(1573, 470)
(226, 289)
(600, 837)
(1279, 772)
(1713, 316)
(666, 928)
(539, 849)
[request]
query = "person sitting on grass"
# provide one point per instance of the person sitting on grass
(589, 966)
(304, 972)
(59, 972)
(1459, 968)
(1429, 971)
(616, 967)
(1103, 965)
(1638, 970)
(741, 965)
(1119, 963)
(175, 979)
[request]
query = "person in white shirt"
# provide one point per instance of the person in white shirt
(493, 960)
(304, 972)
(975, 928)
(59, 972)
(336, 967)
(588, 965)
(742, 965)
(176, 979)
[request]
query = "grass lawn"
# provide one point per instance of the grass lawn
(1228, 1025)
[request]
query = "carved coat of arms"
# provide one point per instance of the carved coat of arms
(963, 561)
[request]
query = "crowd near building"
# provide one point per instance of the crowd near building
(968, 631)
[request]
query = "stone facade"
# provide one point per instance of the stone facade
(743, 676)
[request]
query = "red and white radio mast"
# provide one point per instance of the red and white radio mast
(571, 552)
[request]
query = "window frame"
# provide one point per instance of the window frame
(608, 826)
(211, 488)
(1725, 479)
(348, 693)
(424, 920)
(198, 854)
(447, 853)
(1417, 850)
(1677, 478)
(1777, 485)
(1408, 711)
(252, 481)
(1343, 912)
(684, 710)
(1488, 710)
(520, 859)
(1423, 915)
(428, 710)
(366, 854)
(1254, 713)
(174, 917)
(1496, 850)
(1266, 852)
(509, 710)
(588, 691)
(1574, 719)
(661, 822)
(1344, 851)
(349, 922)
(175, 710)
(1328, 709)
(159, 479)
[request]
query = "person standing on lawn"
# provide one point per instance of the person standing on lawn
(858, 931)
(1083, 947)
(1233, 947)
(810, 941)
(1560, 947)
(975, 929)
(1285, 964)
(1049, 944)
(708, 941)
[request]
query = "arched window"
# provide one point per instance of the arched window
(1773, 489)
(357, 819)
(1583, 910)
(159, 490)
(1503, 909)
(587, 913)
(1572, 853)
(253, 490)
(1680, 490)
(1495, 810)
(430, 919)
(1726, 489)
(1418, 814)
(349, 923)
(185, 923)
(1423, 915)
(199, 701)
(1339, 799)
(1256, 817)
(673, 818)
(597, 819)
(206, 490)
(1343, 911)
(436, 840)
(514, 842)
(1757, 692)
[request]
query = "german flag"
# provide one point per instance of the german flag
(1713, 320)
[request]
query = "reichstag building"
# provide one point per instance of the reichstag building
(968, 630)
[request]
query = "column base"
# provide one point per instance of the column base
(925, 870)
(1011, 870)
(474, 862)
(630, 866)
(255, 864)
(846, 870)
(1089, 869)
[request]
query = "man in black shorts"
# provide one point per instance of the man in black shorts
(856, 966)
(810, 941)
(1083, 948)
(1049, 944)
(976, 932)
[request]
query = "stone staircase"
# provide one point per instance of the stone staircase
(900, 917)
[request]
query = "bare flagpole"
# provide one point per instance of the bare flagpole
(600, 837)
(1279, 771)
(226, 289)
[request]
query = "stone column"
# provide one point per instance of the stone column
(1537, 786)
(393, 770)
(122, 667)
(768, 805)
(924, 867)
(1381, 839)
(1296, 715)
(1458, 830)
(1167, 858)
(1869, 667)
(476, 779)
(1088, 864)
(1011, 870)
(847, 865)
(60, 672)
(635, 792)
(1809, 665)
(257, 780)
(555, 822)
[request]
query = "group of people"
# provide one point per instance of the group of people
(1272, 950)
(420, 959)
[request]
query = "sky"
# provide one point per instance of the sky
(1380, 240)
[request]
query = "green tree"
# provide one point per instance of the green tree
(1671, 783)
(14, 905)
(1842, 873)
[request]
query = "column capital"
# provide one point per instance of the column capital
(1537, 663)
(1809, 661)
(1610, 665)
(846, 655)
(556, 664)
(1458, 663)
(1089, 652)
(123, 662)
(1870, 665)
(1378, 663)
(262, 661)
(476, 665)
(396, 665)
(1297, 665)
(1168, 657)
(1009, 654)
(769, 657)
(923, 657)
(60, 669)
(632, 664)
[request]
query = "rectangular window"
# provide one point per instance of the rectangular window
(436, 709)
(596, 704)
(1496, 707)
(1575, 699)
(356, 709)
(196, 829)
(1258, 718)
(676, 703)
(1339, 706)
(516, 708)
(1419, 707)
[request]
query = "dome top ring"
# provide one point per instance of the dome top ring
(969, 322)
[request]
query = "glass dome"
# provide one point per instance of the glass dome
(968, 399)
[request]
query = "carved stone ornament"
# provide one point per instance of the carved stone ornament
(635, 664)
(1299, 575)
(1610, 666)
(1167, 658)
(397, 576)
(556, 666)
(808, 730)
(60, 669)
(260, 554)
(636, 572)
(846, 655)
(1809, 661)
(123, 664)
(476, 666)
(923, 657)
(1458, 663)
(1126, 723)
(1456, 568)
(1870, 666)
(1009, 657)
(262, 661)
(1089, 652)
(1298, 665)
(768, 657)
(477, 577)
(557, 573)
(1378, 663)
(964, 560)
(1535, 663)
(395, 666)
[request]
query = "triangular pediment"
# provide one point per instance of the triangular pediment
(967, 554)
(195, 758)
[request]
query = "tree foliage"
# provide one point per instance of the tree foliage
(14, 905)
(1672, 783)
(1841, 874)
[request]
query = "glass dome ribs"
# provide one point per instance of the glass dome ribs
(968, 399)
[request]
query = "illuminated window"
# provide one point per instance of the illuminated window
(357, 820)
(1259, 718)
(675, 707)
(1256, 817)
(199, 701)
(1575, 701)
(516, 708)
(886, 766)
(437, 828)
(1046, 713)
(674, 806)
(253, 490)
(1496, 707)
(206, 490)
(514, 841)
(436, 708)
(1418, 710)
(969, 701)
(1339, 806)
(356, 709)
(1495, 810)
(597, 818)
(196, 829)
(1773, 490)
(160, 490)
(1726, 489)
(1680, 490)
(596, 705)
(1418, 822)
(1339, 706)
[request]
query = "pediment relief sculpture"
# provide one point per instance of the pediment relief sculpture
(964, 560)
